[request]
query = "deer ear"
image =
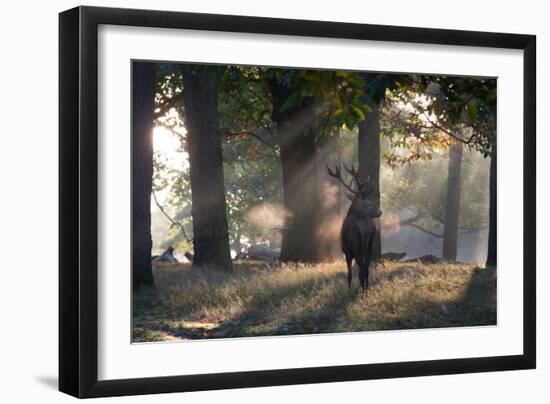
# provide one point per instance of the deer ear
(350, 197)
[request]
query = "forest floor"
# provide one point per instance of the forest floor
(259, 300)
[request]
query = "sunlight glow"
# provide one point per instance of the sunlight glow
(167, 151)
(167, 146)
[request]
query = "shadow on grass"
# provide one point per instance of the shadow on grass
(476, 307)
(319, 319)
(322, 303)
(263, 315)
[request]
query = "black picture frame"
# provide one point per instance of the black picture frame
(78, 201)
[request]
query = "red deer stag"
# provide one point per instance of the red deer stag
(358, 229)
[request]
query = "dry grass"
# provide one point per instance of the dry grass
(258, 299)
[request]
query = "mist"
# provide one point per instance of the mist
(413, 183)
(254, 172)
(421, 186)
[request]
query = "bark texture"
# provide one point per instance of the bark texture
(210, 229)
(452, 204)
(492, 247)
(369, 164)
(331, 219)
(299, 162)
(143, 96)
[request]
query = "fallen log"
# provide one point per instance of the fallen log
(392, 256)
(427, 259)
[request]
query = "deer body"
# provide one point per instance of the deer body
(358, 228)
(356, 236)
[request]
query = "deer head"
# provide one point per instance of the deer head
(356, 191)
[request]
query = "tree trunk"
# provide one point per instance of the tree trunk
(301, 200)
(492, 246)
(210, 229)
(299, 161)
(452, 207)
(369, 164)
(330, 222)
(143, 96)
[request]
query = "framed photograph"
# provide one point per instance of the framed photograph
(251, 201)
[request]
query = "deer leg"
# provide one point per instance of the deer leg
(362, 276)
(367, 274)
(366, 288)
(349, 261)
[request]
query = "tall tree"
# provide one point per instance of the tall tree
(210, 230)
(307, 106)
(143, 97)
(440, 104)
(368, 142)
(298, 153)
(472, 103)
(452, 204)
(492, 248)
(330, 223)
(289, 115)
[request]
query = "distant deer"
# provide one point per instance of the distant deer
(166, 256)
(358, 229)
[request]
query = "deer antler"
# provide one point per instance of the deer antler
(359, 189)
(337, 173)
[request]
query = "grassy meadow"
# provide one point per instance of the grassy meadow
(259, 299)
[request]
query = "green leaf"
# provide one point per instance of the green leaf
(292, 100)
(338, 112)
(357, 112)
(472, 112)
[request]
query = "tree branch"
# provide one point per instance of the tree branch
(167, 105)
(431, 233)
(174, 223)
(264, 103)
(447, 131)
(404, 222)
(251, 133)
(466, 231)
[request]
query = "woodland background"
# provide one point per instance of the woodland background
(235, 158)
